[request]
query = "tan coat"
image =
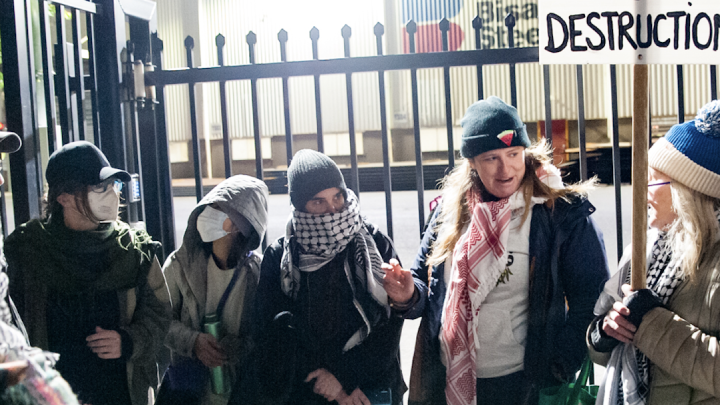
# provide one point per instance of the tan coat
(681, 341)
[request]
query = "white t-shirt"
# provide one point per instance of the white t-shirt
(502, 319)
(217, 282)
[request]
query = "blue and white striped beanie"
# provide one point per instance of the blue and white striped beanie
(690, 152)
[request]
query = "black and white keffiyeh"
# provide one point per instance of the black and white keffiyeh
(630, 367)
(664, 275)
(317, 239)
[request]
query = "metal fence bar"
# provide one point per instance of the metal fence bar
(444, 27)
(510, 24)
(220, 43)
(90, 28)
(79, 82)
(477, 24)
(48, 74)
(411, 29)
(581, 123)
(342, 66)
(387, 180)
(165, 191)
(713, 82)
(251, 40)
(314, 36)
(354, 173)
(283, 37)
(197, 161)
(616, 160)
(61, 75)
(548, 106)
(681, 94)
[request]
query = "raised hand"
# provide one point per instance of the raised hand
(616, 325)
(326, 385)
(209, 351)
(107, 344)
(398, 282)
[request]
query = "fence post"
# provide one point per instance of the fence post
(354, 175)
(387, 179)
(283, 37)
(477, 24)
(251, 39)
(220, 43)
(411, 29)
(197, 161)
(444, 26)
(314, 36)
(25, 164)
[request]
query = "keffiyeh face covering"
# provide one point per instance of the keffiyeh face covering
(318, 239)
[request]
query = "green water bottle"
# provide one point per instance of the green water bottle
(219, 380)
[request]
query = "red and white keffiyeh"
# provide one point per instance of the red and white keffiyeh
(480, 256)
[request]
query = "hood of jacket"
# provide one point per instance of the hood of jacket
(238, 196)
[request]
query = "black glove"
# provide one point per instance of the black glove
(640, 303)
(600, 341)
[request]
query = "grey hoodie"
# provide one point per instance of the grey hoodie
(186, 269)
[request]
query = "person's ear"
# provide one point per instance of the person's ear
(228, 226)
(66, 200)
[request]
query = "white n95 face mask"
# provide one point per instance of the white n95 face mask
(104, 206)
(210, 224)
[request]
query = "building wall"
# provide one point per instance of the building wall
(235, 18)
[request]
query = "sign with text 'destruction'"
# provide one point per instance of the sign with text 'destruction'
(629, 31)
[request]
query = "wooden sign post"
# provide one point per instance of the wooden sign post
(635, 32)
(640, 146)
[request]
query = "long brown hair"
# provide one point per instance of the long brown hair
(53, 209)
(455, 214)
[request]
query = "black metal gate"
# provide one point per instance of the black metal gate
(126, 82)
(88, 96)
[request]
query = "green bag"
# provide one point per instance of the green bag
(577, 393)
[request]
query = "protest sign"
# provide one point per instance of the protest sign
(629, 31)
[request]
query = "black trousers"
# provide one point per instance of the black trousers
(509, 389)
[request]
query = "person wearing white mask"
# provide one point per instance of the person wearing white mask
(87, 285)
(214, 274)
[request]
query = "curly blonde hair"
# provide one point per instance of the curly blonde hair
(455, 215)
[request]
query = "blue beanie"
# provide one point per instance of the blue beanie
(491, 124)
(690, 152)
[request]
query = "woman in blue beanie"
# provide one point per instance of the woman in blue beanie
(660, 343)
(504, 252)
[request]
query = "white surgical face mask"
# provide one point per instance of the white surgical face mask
(104, 206)
(210, 224)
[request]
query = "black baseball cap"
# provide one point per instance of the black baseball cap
(83, 162)
(9, 142)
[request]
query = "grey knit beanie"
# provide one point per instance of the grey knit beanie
(311, 172)
(491, 124)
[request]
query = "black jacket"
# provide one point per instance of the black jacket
(373, 364)
(568, 266)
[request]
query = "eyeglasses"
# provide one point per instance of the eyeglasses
(102, 187)
(659, 184)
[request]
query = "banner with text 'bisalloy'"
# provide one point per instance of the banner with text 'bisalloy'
(629, 31)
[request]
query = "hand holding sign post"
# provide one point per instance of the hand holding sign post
(638, 32)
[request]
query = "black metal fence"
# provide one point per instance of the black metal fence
(132, 131)
(381, 63)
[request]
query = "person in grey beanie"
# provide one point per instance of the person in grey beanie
(507, 248)
(325, 316)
